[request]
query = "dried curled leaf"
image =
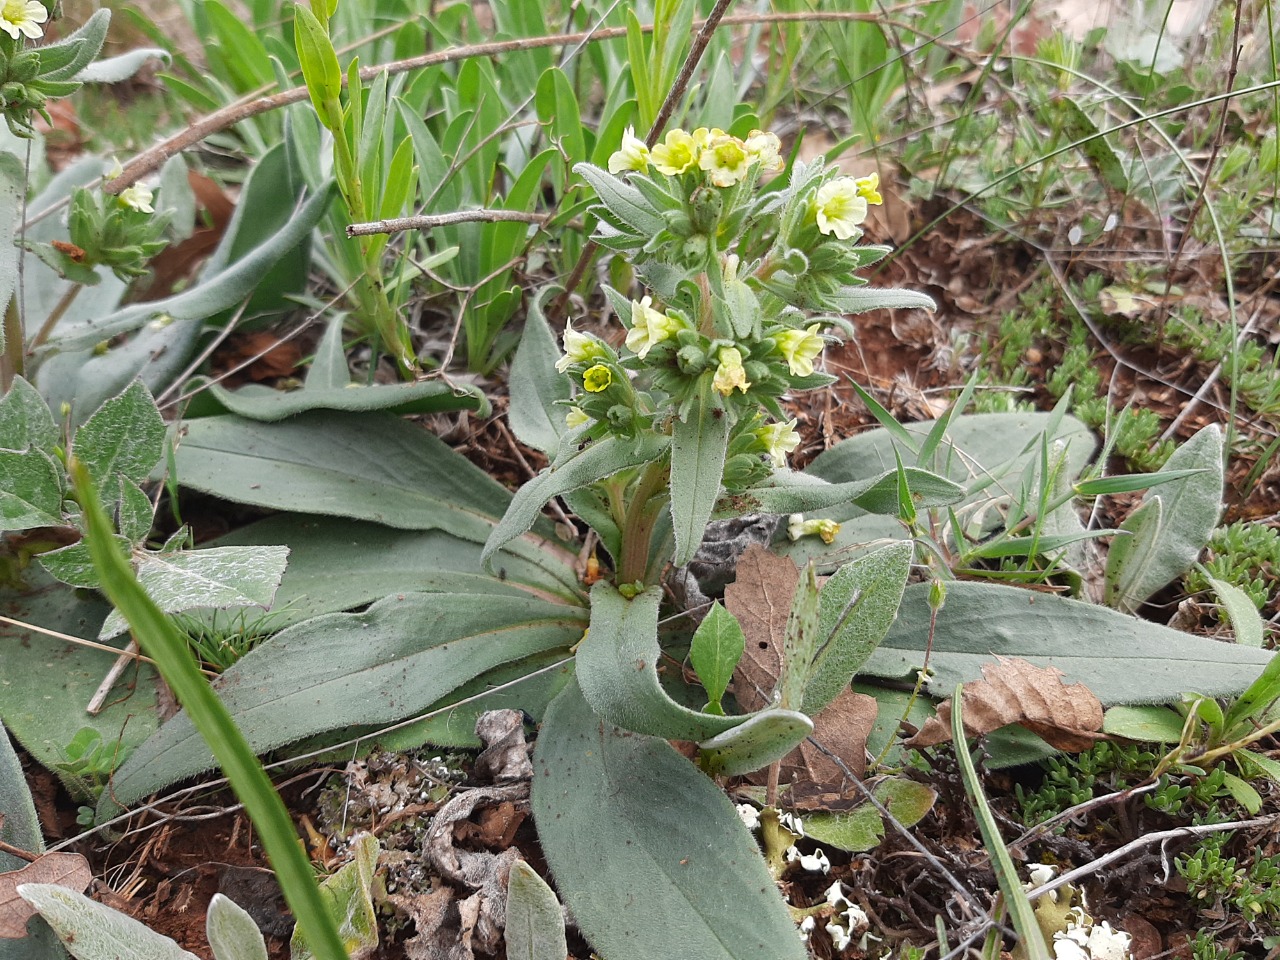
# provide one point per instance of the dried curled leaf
(1066, 716)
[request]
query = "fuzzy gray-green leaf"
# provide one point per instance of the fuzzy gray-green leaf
(349, 669)
(858, 605)
(1122, 659)
(644, 847)
(618, 670)
(535, 922)
(697, 467)
(536, 385)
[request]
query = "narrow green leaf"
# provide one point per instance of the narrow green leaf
(622, 200)
(157, 637)
(1106, 486)
(601, 459)
(535, 923)
(791, 492)
(698, 447)
(1030, 939)
(1076, 125)
(1240, 613)
(13, 191)
(64, 59)
(387, 663)
(20, 828)
(536, 385)
(1257, 698)
(619, 813)
(319, 63)
(716, 648)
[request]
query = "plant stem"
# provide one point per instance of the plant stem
(64, 302)
(12, 363)
(638, 526)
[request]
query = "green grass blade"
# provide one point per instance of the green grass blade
(1020, 910)
(161, 641)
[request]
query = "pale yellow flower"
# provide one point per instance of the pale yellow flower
(632, 155)
(649, 327)
(725, 159)
(730, 374)
(798, 526)
(23, 18)
(800, 348)
(839, 208)
(576, 417)
(138, 197)
(868, 188)
(597, 379)
(677, 153)
(764, 149)
(779, 439)
(578, 347)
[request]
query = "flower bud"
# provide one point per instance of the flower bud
(705, 206)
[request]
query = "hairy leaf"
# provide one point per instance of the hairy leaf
(643, 845)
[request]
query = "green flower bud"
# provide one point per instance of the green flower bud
(691, 360)
(25, 66)
(705, 207)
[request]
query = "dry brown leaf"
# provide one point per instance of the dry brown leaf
(66, 869)
(1067, 716)
(842, 727)
(761, 598)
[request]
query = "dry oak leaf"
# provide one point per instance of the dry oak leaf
(1067, 716)
(842, 727)
(67, 869)
(760, 597)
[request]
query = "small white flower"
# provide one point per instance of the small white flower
(749, 816)
(779, 439)
(23, 18)
(576, 417)
(840, 937)
(138, 197)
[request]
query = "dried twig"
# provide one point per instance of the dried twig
(431, 221)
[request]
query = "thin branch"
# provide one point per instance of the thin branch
(431, 221)
(91, 644)
(1146, 840)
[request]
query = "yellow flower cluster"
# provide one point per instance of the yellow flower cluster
(724, 158)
